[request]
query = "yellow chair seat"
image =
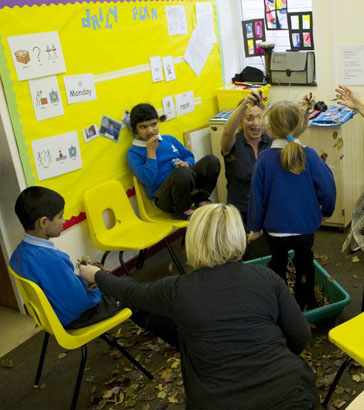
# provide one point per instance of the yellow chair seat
(42, 312)
(44, 316)
(148, 212)
(139, 236)
(349, 337)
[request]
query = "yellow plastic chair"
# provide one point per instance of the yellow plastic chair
(129, 233)
(349, 338)
(149, 213)
(42, 312)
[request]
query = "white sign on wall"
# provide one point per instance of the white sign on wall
(56, 155)
(46, 97)
(37, 55)
(79, 88)
(352, 65)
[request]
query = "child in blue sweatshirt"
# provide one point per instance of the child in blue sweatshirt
(292, 191)
(166, 168)
(40, 211)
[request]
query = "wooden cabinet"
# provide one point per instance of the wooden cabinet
(343, 148)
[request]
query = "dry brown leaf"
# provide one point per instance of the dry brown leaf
(62, 355)
(355, 259)
(101, 404)
(356, 378)
(162, 394)
(7, 364)
(355, 276)
(338, 403)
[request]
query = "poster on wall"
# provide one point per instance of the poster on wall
(276, 14)
(176, 20)
(352, 65)
(56, 155)
(253, 33)
(46, 98)
(300, 30)
(37, 55)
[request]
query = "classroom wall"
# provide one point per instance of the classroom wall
(334, 25)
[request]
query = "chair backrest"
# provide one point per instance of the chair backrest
(107, 196)
(38, 305)
(148, 212)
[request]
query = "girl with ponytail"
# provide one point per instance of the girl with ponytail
(292, 190)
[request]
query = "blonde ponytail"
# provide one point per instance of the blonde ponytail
(280, 120)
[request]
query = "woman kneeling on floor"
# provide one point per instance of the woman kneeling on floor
(240, 329)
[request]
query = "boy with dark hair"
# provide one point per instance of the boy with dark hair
(40, 211)
(166, 168)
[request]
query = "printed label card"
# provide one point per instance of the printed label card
(168, 66)
(185, 103)
(56, 155)
(37, 55)
(156, 69)
(79, 88)
(46, 98)
(168, 107)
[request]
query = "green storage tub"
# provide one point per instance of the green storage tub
(338, 296)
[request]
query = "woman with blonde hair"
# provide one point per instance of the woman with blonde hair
(292, 191)
(240, 330)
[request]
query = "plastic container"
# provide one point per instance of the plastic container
(338, 296)
(230, 95)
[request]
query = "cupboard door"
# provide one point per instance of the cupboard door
(326, 141)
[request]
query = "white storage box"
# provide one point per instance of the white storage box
(293, 67)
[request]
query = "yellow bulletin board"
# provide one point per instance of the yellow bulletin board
(114, 42)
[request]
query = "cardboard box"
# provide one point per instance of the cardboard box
(22, 56)
(293, 68)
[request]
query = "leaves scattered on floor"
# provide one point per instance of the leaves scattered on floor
(128, 388)
(325, 366)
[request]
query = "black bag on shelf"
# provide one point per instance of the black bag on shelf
(250, 75)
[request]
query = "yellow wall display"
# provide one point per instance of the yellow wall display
(114, 42)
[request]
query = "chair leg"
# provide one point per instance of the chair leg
(336, 381)
(183, 240)
(104, 256)
(141, 258)
(174, 258)
(113, 343)
(79, 377)
(122, 263)
(41, 359)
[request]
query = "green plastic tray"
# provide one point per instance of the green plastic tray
(338, 296)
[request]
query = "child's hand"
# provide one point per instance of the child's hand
(307, 102)
(152, 144)
(88, 272)
(252, 236)
(255, 97)
(179, 163)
